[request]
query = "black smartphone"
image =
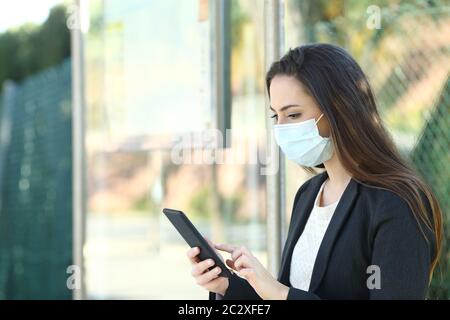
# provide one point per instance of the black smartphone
(193, 237)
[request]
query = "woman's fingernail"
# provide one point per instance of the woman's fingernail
(217, 270)
(211, 262)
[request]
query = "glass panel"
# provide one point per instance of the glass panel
(150, 56)
(148, 72)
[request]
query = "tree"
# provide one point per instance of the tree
(30, 48)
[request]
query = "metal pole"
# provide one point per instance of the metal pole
(221, 66)
(221, 94)
(275, 184)
(78, 150)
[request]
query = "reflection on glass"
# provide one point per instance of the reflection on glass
(148, 74)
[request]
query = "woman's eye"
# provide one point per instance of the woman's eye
(274, 117)
(294, 115)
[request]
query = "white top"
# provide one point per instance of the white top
(305, 251)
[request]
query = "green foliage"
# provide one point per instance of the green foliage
(146, 205)
(29, 49)
(238, 19)
(201, 204)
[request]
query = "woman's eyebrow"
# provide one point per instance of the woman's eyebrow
(285, 107)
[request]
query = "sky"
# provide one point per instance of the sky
(13, 13)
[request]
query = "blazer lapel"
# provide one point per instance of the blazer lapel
(299, 217)
(340, 215)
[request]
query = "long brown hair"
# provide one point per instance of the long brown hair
(361, 142)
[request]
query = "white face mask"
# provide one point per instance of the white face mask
(302, 143)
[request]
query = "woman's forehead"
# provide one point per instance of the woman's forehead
(285, 90)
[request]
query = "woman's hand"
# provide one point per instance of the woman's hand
(254, 272)
(208, 279)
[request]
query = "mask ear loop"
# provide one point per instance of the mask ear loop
(319, 118)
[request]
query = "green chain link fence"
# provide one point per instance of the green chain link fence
(36, 186)
(431, 157)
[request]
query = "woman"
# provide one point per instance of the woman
(365, 228)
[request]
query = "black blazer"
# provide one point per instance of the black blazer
(370, 226)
